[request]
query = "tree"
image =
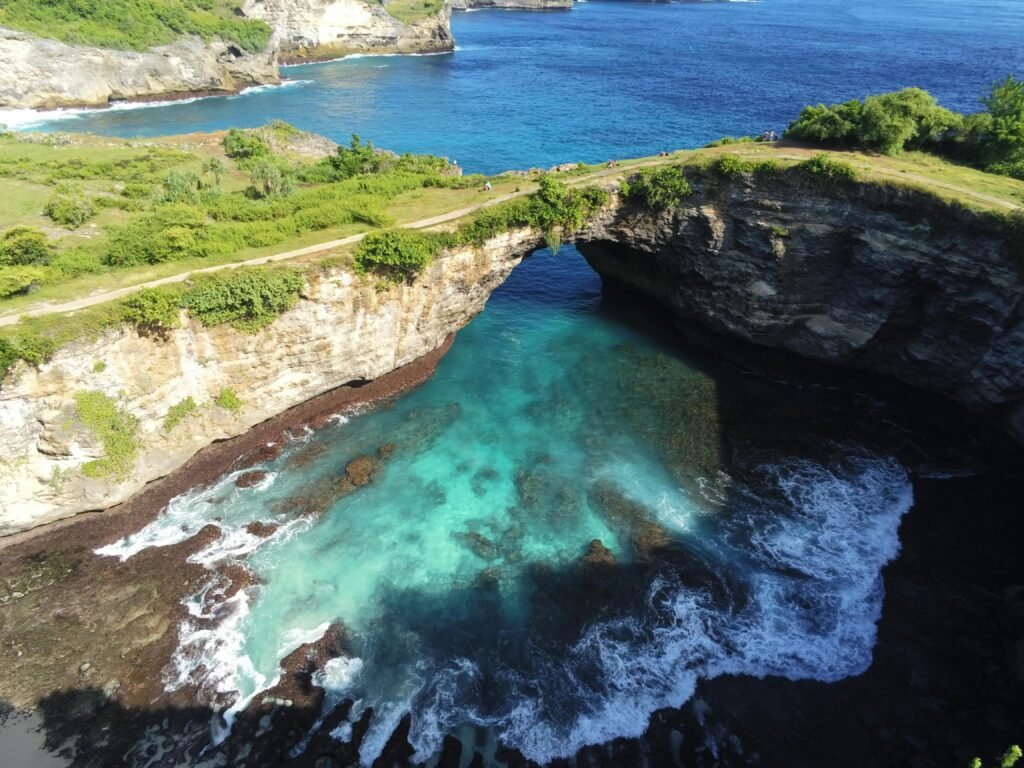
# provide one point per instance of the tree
(267, 180)
(1005, 103)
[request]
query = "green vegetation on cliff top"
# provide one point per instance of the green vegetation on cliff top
(411, 11)
(81, 215)
(133, 24)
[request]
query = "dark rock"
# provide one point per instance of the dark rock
(249, 479)
(362, 470)
(598, 555)
(261, 529)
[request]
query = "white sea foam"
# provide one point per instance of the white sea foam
(836, 527)
(26, 119)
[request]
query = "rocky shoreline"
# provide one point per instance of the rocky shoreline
(944, 685)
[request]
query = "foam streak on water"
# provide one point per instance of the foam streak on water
(557, 418)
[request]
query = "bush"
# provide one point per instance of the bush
(153, 310)
(228, 400)
(888, 123)
(24, 246)
(75, 262)
(14, 280)
(733, 167)
(395, 253)
(824, 167)
(180, 187)
(244, 145)
(117, 431)
(267, 181)
(170, 233)
(247, 299)
(178, 412)
(659, 188)
(69, 210)
(1014, 169)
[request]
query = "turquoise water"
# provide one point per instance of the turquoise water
(749, 521)
(560, 416)
(619, 79)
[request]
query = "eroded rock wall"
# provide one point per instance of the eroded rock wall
(342, 330)
(307, 30)
(45, 74)
(881, 279)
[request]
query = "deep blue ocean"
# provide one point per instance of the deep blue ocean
(619, 79)
(749, 521)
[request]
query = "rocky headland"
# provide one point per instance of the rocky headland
(47, 74)
(41, 73)
(878, 279)
(314, 30)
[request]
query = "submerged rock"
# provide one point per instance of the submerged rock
(362, 470)
(261, 529)
(250, 479)
(598, 555)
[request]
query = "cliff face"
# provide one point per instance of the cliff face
(883, 280)
(307, 30)
(44, 74)
(888, 281)
(342, 330)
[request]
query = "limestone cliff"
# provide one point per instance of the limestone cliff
(876, 278)
(342, 330)
(44, 74)
(881, 279)
(307, 30)
(39, 73)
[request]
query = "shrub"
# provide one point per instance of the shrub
(228, 400)
(1009, 758)
(660, 188)
(69, 210)
(733, 167)
(1005, 105)
(75, 262)
(24, 246)
(889, 122)
(395, 253)
(14, 280)
(117, 431)
(170, 233)
(137, 191)
(267, 181)
(824, 167)
(153, 310)
(243, 145)
(178, 412)
(1014, 169)
(248, 298)
(180, 187)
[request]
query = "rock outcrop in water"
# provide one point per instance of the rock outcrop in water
(882, 279)
(45, 74)
(343, 330)
(309, 30)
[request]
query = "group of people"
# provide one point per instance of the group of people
(770, 136)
